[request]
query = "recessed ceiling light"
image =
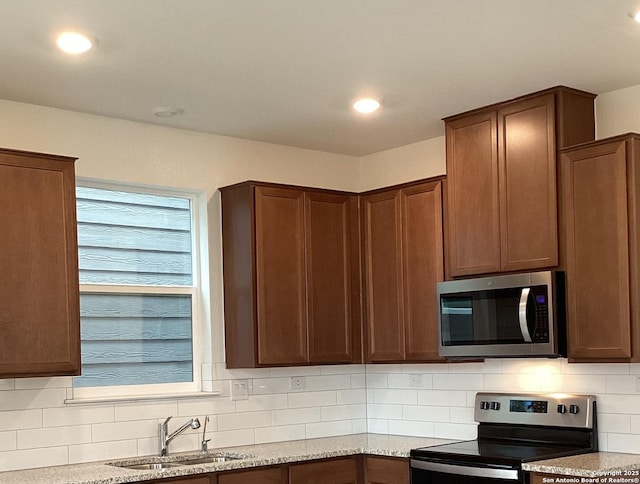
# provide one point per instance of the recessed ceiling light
(635, 15)
(74, 42)
(366, 105)
(167, 111)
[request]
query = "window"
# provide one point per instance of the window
(138, 260)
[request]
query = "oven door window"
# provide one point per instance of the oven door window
(499, 316)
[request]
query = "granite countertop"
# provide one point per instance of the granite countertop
(253, 456)
(595, 465)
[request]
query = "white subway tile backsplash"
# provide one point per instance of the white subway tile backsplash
(432, 400)
(27, 399)
(411, 427)
(127, 430)
(38, 383)
(8, 441)
(455, 431)
(423, 413)
(377, 426)
(146, 410)
(398, 397)
(280, 434)
(328, 429)
(621, 383)
(53, 437)
(261, 402)
(312, 399)
(626, 443)
(24, 459)
(344, 412)
(296, 416)
(458, 382)
(263, 386)
(247, 420)
(345, 397)
(614, 423)
(102, 451)
(327, 382)
(7, 385)
(206, 406)
(21, 419)
(77, 415)
(233, 438)
(451, 398)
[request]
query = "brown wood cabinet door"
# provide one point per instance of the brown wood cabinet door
(472, 215)
(528, 193)
(280, 276)
(268, 475)
(422, 268)
(329, 471)
(39, 296)
(331, 262)
(386, 470)
(187, 480)
(383, 276)
(598, 278)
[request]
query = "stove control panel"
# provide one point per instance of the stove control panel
(531, 409)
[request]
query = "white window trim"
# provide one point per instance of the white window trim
(201, 320)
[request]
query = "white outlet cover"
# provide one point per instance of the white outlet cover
(297, 383)
(239, 389)
(415, 380)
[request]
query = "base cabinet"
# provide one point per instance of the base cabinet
(39, 292)
(267, 475)
(403, 262)
(326, 471)
(386, 470)
(601, 197)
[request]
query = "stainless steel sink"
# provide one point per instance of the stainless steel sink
(211, 459)
(151, 466)
(155, 465)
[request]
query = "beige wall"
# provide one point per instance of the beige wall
(618, 112)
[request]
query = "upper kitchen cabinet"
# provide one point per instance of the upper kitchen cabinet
(501, 210)
(403, 262)
(291, 275)
(601, 203)
(39, 291)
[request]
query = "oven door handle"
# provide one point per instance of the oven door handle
(522, 314)
(462, 470)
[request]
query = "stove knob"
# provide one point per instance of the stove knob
(484, 405)
(562, 408)
(574, 409)
(495, 405)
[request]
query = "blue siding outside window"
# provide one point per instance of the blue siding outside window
(128, 241)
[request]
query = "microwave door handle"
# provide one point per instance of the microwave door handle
(522, 314)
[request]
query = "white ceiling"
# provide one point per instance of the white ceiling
(286, 71)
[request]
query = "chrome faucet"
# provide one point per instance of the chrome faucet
(165, 437)
(204, 444)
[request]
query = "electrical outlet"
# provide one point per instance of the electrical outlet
(297, 383)
(638, 384)
(415, 380)
(239, 390)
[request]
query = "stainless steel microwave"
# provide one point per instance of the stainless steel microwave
(503, 316)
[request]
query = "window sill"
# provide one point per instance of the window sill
(140, 398)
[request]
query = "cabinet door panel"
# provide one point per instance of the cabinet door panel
(39, 308)
(329, 269)
(383, 277)
(333, 471)
(270, 475)
(282, 334)
(598, 304)
(473, 220)
(423, 268)
(528, 193)
(386, 470)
